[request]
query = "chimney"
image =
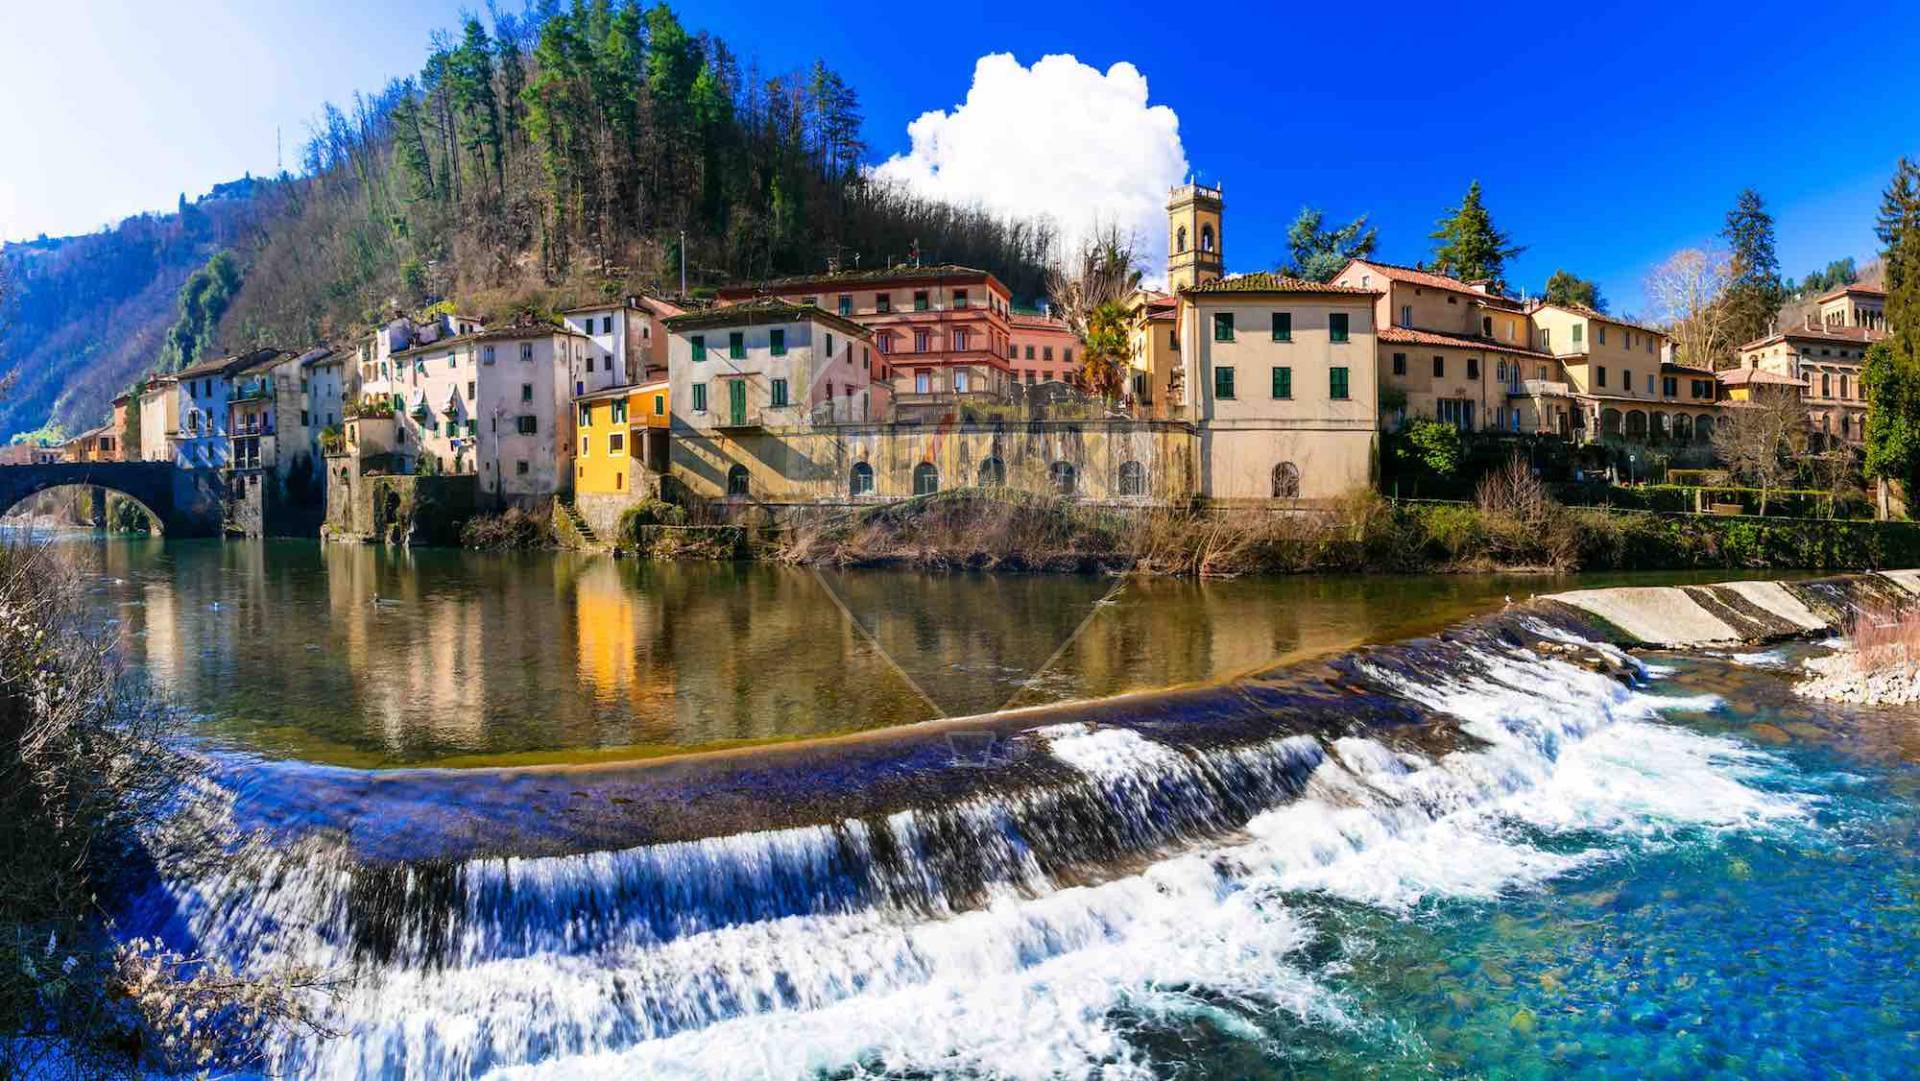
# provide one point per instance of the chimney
(1480, 285)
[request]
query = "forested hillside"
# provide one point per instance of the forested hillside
(89, 313)
(532, 161)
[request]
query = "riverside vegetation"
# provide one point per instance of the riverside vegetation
(94, 791)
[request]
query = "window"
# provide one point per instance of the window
(1223, 383)
(1062, 478)
(1649, 383)
(860, 481)
(779, 393)
(1133, 479)
(699, 397)
(1439, 366)
(829, 348)
(1670, 386)
(993, 472)
(1486, 326)
(1600, 375)
(1843, 384)
(920, 301)
(1337, 326)
(959, 298)
(1282, 326)
(586, 447)
(1180, 240)
(1826, 384)
(1455, 411)
(698, 343)
(469, 390)
(846, 304)
(1283, 382)
(526, 424)
(777, 341)
(617, 411)
(1206, 237)
(923, 381)
(960, 339)
(520, 468)
(736, 345)
(1578, 330)
(586, 416)
(1029, 352)
(1399, 364)
(926, 479)
(1222, 329)
(1286, 481)
(486, 354)
(526, 392)
(1473, 367)
(737, 480)
(920, 339)
(1337, 384)
(526, 351)
(1406, 315)
(883, 302)
(659, 405)
(1626, 380)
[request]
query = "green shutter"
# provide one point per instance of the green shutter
(737, 345)
(699, 343)
(1337, 326)
(1283, 382)
(1223, 383)
(1223, 326)
(777, 341)
(1337, 383)
(1282, 327)
(699, 397)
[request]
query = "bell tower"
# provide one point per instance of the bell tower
(1193, 236)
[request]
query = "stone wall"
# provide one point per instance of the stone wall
(816, 465)
(602, 510)
(397, 509)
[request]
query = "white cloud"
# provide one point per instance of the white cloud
(1058, 140)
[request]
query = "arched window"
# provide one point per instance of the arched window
(860, 482)
(1061, 478)
(737, 480)
(926, 479)
(1206, 237)
(1180, 240)
(993, 473)
(1286, 481)
(1133, 478)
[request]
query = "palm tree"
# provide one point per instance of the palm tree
(1106, 353)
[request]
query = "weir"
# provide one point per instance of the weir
(501, 918)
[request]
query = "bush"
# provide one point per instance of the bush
(511, 528)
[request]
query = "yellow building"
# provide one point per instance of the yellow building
(1825, 358)
(1622, 380)
(614, 445)
(1153, 339)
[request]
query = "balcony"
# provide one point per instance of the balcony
(251, 390)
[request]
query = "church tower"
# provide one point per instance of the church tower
(1193, 236)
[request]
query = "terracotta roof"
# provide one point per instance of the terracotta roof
(1850, 335)
(1266, 282)
(1595, 313)
(225, 365)
(1036, 321)
(765, 310)
(1416, 276)
(1856, 287)
(636, 302)
(1740, 377)
(1410, 336)
(534, 330)
(901, 274)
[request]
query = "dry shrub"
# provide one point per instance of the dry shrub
(95, 788)
(1885, 637)
(1521, 522)
(512, 528)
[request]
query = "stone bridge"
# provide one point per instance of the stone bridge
(187, 502)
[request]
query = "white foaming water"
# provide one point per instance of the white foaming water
(1035, 979)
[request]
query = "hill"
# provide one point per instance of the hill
(533, 163)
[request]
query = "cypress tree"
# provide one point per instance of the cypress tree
(1892, 373)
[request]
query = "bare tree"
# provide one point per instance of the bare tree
(1104, 269)
(1687, 291)
(1762, 441)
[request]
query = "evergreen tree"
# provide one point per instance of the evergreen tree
(1568, 288)
(1755, 292)
(1892, 372)
(202, 300)
(1318, 253)
(1469, 247)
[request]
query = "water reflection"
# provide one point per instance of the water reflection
(376, 657)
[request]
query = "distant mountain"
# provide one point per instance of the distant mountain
(89, 313)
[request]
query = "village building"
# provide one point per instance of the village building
(765, 366)
(1825, 357)
(159, 418)
(943, 333)
(198, 438)
(621, 450)
(93, 445)
(1153, 388)
(1280, 380)
(627, 344)
(1043, 349)
(1622, 380)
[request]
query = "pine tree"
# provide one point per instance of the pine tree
(1320, 253)
(1891, 375)
(1469, 247)
(1755, 293)
(1565, 287)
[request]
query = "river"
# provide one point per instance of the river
(1452, 858)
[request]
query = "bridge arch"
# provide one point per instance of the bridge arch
(185, 502)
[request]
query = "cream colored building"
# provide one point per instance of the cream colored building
(1153, 387)
(1457, 352)
(1279, 379)
(1825, 358)
(1621, 380)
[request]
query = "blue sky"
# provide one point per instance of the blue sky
(1606, 136)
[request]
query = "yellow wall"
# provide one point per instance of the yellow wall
(603, 463)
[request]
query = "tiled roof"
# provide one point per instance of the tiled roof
(1850, 335)
(1410, 336)
(764, 310)
(1740, 377)
(879, 276)
(532, 330)
(1595, 313)
(1417, 276)
(226, 365)
(1856, 288)
(1036, 321)
(1265, 282)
